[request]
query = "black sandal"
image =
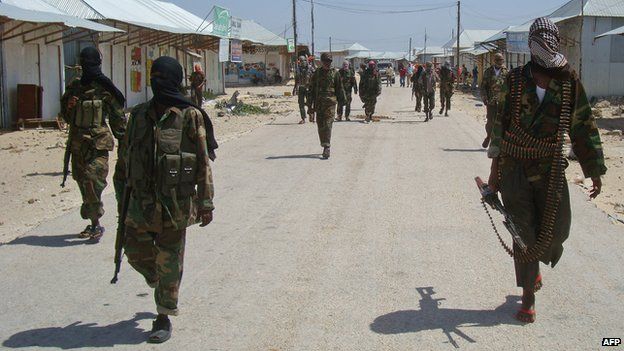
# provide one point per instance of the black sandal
(161, 331)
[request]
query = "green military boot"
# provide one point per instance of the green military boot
(326, 152)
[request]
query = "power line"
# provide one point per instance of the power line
(361, 10)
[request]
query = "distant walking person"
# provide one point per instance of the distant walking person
(370, 89)
(493, 80)
(447, 82)
(349, 84)
(410, 73)
(417, 87)
(429, 78)
(402, 75)
(302, 86)
(389, 76)
(86, 106)
(475, 77)
(326, 93)
(198, 80)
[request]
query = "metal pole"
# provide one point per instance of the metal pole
(410, 51)
(458, 30)
(425, 51)
(581, 40)
(295, 33)
(330, 48)
(312, 15)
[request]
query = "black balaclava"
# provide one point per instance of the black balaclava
(166, 79)
(91, 63)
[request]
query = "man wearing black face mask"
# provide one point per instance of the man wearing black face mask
(85, 106)
(170, 141)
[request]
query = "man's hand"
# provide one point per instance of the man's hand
(206, 218)
(596, 188)
(485, 101)
(493, 179)
(72, 102)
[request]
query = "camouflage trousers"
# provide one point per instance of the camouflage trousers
(369, 105)
(525, 200)
(119, 177)
(159, 257)
(302, 95)
(90, 169)
(429, 101)
(345, 107)
(325, 113)
(198, 96)
(490, 116)
(445, 99)
(418, 95)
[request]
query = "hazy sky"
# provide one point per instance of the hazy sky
(379, 25)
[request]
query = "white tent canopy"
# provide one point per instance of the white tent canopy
(616, 31)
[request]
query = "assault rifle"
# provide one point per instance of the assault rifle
(120, 240)
(491, 198)
(66, 160)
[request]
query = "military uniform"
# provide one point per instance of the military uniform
(326, 92)
(303, 85)
(347, 76)
(197, 84)
(171, 181)
(428, 79)
(90, 140)
(417, 88)
(524, 179)
(491, 85)
(447, 80)
(370, 89)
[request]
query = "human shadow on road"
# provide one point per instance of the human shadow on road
(49, 174)
(432, 317)
(80, 335)
(66, 240)
(283, 124)
(287, 157)
(409, 122)
(465, 150)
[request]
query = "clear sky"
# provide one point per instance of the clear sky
(379, 25)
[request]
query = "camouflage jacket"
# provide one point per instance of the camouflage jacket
(348, 80)
(197, 79)
(149, 209)
(542, 121)
(304, 73)
(326, 86)
(370, 83)
(491, 84)
(428, 81)
(447, 80)
(99, 137)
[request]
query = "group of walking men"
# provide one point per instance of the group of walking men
(424, 82)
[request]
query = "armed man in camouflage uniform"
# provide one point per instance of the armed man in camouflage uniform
(325, 93)
(198, 80)
(447, 80)
(302, 86)
(491, 84)
(85, 106)
(417, 88)
(347, 75)
(170, 141)
(370, 89)
(428, 79)
(540, 103)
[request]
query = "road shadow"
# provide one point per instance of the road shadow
(83, 335)
(289, 157)
(464, 150)
(431, 317)
(49, 174)
(409, 122)
(286, 124)
(65, 240)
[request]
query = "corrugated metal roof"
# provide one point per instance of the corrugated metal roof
(26, 15)
(35, 5)
(379, 55)
(252, 31)
(593, 8)
(616, 31)
(346, 47)
(431, 50)
(76, 8)
(469, 37)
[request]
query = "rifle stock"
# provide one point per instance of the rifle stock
(121, 233)
(66, 160)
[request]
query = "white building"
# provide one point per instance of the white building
(340, 52)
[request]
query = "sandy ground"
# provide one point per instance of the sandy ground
(33, 162)
(610, 120)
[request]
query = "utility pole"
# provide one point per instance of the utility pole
(295, 34)
(581, 40)
(410, 51)
(312, 15)
(425, 51)
(458, 30)
(330, 49)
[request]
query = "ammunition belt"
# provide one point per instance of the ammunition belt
(530, 147)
